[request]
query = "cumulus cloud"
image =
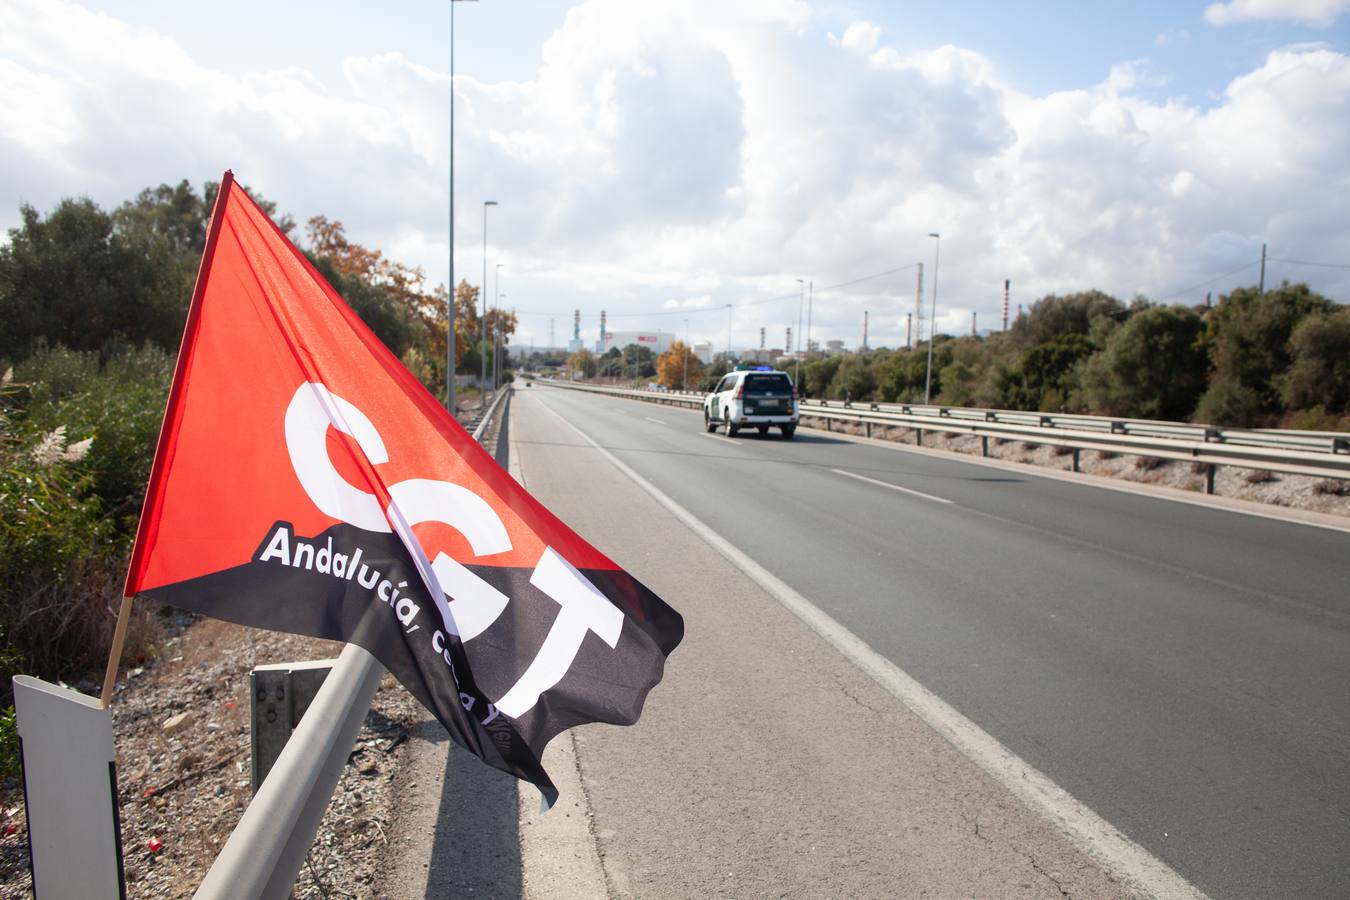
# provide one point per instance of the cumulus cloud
(1308, 12)
(713, 153)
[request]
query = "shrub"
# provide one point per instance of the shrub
(1258, 476)
(62, 556)
(1149, 463)
(9, 743)
(1333, 487)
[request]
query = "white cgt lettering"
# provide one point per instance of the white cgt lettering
(473, 604)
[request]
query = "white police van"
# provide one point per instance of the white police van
(753, 397)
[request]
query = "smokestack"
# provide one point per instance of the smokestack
(909, 323)
(1007, 287)
(864, 331)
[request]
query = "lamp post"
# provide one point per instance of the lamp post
(932, 318)
(496, 325)
(482, 344)
(498, 343)
(686, 355)
(810, 297)
(728, 338)
(798, 378)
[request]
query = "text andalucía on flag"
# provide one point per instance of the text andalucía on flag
(304, 481)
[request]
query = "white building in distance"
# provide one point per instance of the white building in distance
(656, 341)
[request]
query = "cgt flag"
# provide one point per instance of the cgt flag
(306, 482)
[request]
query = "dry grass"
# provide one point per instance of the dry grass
(1149, 463)
(1258, 476)
(1331, 487)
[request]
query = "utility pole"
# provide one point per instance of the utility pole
(973, 331)
(909, 324)
(864, 346)
(810, 297)
(918, 308)
(1262, 288)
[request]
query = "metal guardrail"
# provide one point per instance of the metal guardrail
(1318, 454)
(266, 849)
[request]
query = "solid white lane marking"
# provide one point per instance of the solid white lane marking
(717, 437)
(650, 419)
(894, 487)
(1091, 834)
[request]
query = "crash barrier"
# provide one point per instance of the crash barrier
(1314, 453)
(266, 849)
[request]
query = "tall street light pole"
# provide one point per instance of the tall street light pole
(686, 355)
(482, 344)
(932, 319)
(800, 303)
(498, 344)
(810, 298)
(728, 337)
(497, 313)
(450, 300)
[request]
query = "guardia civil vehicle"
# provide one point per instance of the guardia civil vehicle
(752, 397)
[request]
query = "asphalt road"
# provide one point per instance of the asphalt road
(1181, 670)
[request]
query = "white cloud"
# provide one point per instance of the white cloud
(699, 302)
(861, 36)
(712, 153)
(1321, 13)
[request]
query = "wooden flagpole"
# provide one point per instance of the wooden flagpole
(115, 654)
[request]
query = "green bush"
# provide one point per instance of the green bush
(9, 743)
(75, 448)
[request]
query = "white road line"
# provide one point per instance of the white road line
(716, 437)
(1093, 835)
(650, 419)
(894, 487)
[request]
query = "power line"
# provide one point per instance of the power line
(1300, 262)
(1196, 287)
(693, 311)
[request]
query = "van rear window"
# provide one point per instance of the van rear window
(764, 385)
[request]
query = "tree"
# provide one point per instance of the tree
(1320, 372)
(583, 362)
(75, 279)
(1045, 373)
(1248, 336)
(1153, 367)
(678, 367)
(1053, 316)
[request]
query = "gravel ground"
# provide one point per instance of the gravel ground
(1293, 491)
(184, 787)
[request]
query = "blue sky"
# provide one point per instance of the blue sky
(659, 159)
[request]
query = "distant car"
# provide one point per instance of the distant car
(758, 398)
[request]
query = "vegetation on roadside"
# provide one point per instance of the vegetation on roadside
(93, 305)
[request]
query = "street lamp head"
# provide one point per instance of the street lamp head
(489, 202)
(934, 234)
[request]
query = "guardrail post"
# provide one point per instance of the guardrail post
(1209, 478)
(918, 438)
(1340, 445)
(1075, 460)
(281, 692)
(869, 428)
(984, 445)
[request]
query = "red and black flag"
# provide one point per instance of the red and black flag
(306, 482)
